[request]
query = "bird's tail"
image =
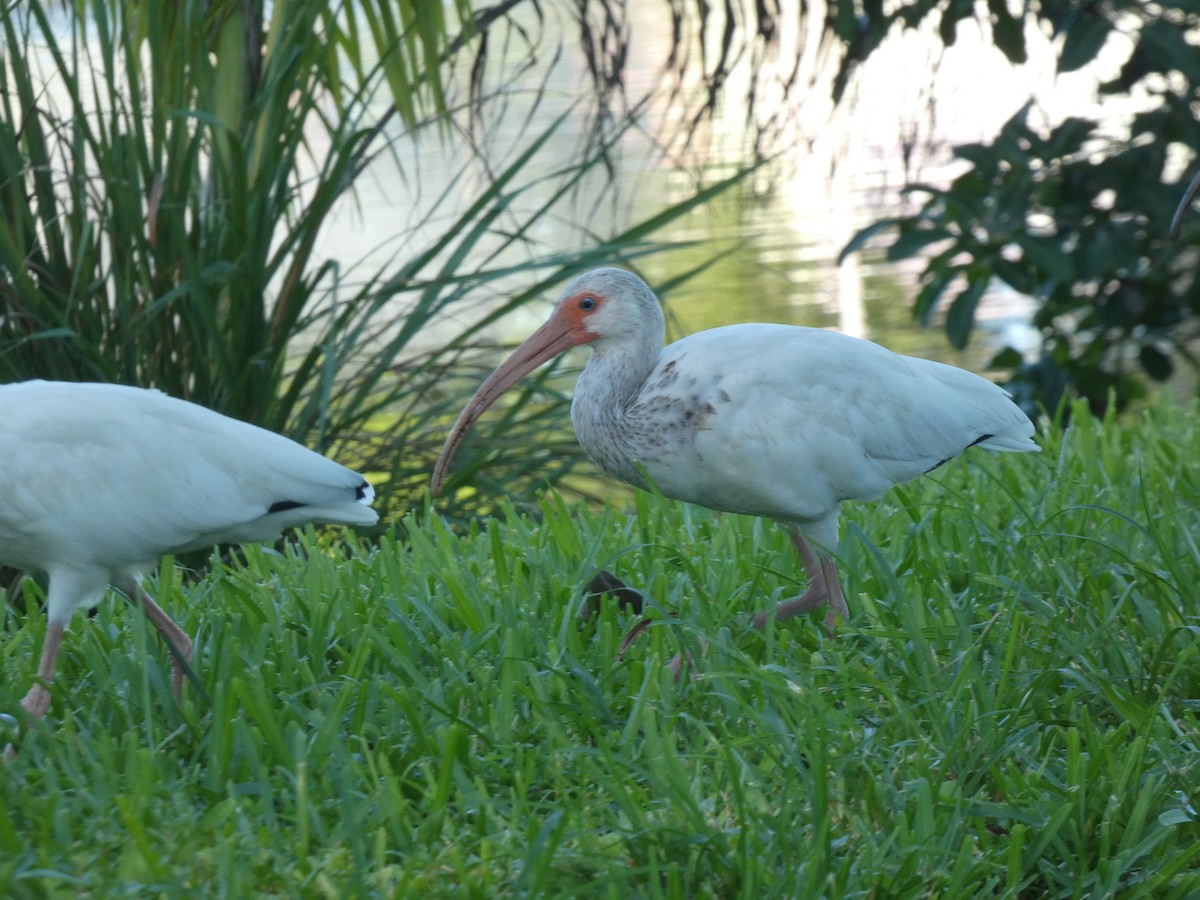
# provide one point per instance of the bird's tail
(1017, 439)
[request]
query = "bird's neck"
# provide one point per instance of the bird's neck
(607, 387)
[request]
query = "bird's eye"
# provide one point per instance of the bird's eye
(587, 304)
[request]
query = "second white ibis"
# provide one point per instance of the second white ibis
(768, 420)
(97, 481)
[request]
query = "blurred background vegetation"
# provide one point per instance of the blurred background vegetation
(1076, 216)
(172, 176)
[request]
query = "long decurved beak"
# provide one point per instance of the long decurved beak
(558, 334)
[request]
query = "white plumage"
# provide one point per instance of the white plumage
(97, 481)
(769, 420)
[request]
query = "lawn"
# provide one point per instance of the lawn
(1014, 709)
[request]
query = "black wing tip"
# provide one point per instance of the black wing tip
(363, 493)
(942, 462)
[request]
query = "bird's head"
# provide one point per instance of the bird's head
(608, 305)
(604, 306)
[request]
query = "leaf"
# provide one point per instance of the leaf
(863, 235)
(1166, 44)
(1157, 364)
(984, 157)
(1084, 39)
(912, 241)
(1008, 358)
(1008, 31)
(1069, 136)
(845, 22)
(1044, 253)
(1016, 275)
(927, 300)
(954, 12)
(1175, 817)
(960, 318)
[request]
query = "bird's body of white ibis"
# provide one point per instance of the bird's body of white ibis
(98, 481)
(769, 420)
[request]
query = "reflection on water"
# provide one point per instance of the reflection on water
(778, 234)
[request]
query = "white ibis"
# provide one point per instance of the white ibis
(767, 420)
(97, 481)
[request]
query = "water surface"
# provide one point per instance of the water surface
(778, 234)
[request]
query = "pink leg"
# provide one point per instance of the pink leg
(676, 663)
(823, 587)
(837, 600)
(634, 633)
(37, 701)
(180, 643)
(676, 666)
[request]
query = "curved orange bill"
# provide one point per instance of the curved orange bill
(560, 332)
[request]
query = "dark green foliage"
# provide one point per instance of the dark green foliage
(1075, 217)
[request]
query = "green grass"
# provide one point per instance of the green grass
(1012, 711)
